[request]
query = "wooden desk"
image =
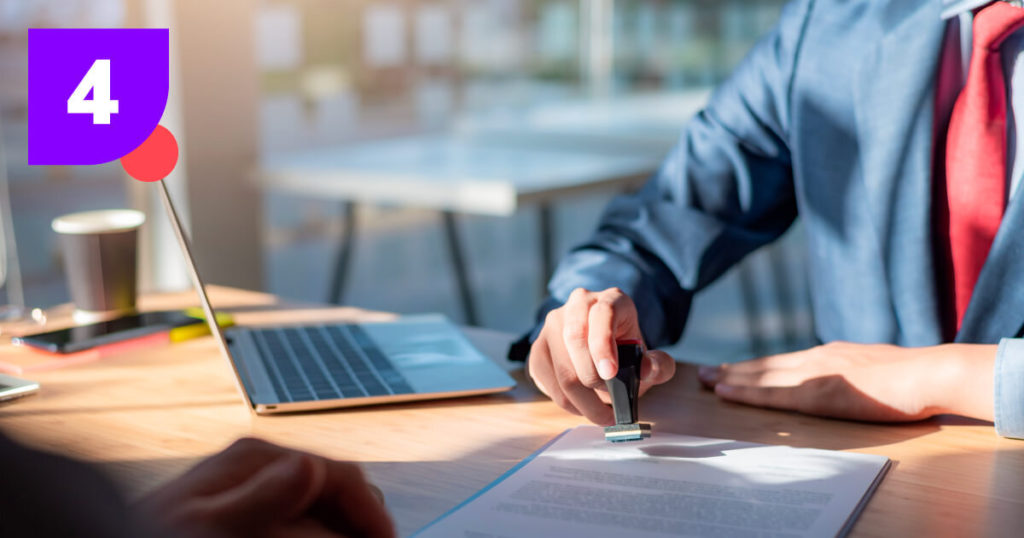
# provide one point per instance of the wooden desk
(148, 415)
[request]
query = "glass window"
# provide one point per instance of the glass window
(38, 194)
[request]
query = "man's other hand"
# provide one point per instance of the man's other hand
(258, 489)
(576, 352)
(873, 382)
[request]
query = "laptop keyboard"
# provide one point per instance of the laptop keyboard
(326, 362)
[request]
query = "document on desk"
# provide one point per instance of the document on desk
(668, 485)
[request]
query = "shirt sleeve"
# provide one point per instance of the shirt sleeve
(725, 189)
(1009, 388)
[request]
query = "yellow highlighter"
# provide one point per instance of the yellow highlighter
(199, 328)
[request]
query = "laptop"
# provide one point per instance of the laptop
(308, 367)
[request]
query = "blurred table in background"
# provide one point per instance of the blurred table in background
(491, 165)
(451, 174)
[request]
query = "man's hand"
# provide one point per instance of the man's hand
(576, 352)
(257, 489)
(873, 382)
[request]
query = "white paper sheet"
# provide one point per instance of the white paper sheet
(668, 485)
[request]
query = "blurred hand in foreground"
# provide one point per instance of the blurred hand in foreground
(257, 489)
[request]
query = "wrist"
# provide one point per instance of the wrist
(962, 380)
(939, 387)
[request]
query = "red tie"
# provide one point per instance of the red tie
(976, 153)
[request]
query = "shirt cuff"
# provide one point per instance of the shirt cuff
(1009, 388)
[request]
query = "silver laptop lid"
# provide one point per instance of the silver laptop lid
(197, 281)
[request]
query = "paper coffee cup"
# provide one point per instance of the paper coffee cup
(100, 260)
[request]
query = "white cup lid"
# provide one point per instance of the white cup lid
(104, 221)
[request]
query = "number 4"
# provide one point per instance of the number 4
(100, 106)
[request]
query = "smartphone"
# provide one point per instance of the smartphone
(85, 337)
(13, 387)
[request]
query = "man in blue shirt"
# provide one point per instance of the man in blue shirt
(888, 127)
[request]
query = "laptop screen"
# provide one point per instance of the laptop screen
(197, 281)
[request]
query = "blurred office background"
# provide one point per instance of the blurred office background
(253, 80)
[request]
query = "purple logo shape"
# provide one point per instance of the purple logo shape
(94, 95)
